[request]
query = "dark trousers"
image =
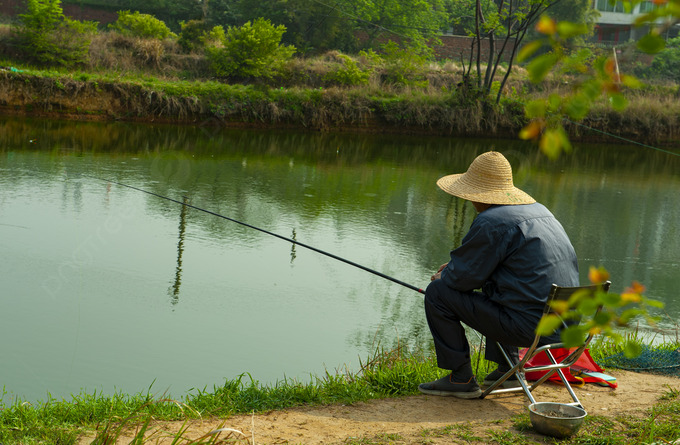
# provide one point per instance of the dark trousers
(446, 309)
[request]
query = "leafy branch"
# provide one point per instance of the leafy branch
(592, 312)
(601, 79)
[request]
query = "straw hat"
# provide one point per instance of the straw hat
(488, 180)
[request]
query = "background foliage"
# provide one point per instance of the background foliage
(665, 65)
(251, 50)
(136, 24)
(47, 36)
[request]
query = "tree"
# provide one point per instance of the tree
(601, 78)
(666, 64)
(311, 26)
(220, 13)
(504, 25)
(573, 11)
(251, 50)
(192, 35)
(404, 66)
(47, 36)
(461, 14)
(170, 12)
(315, 26)
(503, 29)
(416, 22)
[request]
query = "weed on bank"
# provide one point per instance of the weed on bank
(387, 373)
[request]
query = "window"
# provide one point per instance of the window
(646, 6)
(607, 6)
(613, 34)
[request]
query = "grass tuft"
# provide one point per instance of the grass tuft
(386, 373)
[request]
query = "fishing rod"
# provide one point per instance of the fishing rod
(290, 240)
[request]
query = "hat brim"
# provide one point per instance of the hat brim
(457, 185)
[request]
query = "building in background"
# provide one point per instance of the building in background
(616, 26)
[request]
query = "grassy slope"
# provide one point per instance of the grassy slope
(138, 79)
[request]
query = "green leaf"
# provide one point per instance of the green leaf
(602, 318)
(631, 81)
(629, 314)
(564, 139)
(627, 5)
(653, 303)
(618, 101)
(554, 102)
(673, 8)
(577, 107)
(588, 306)
(528, 50)
(579, 295)
(548, 324)
(610, 299)
(541, 66)
(573, 336)
(591, 90)
(567, 30)
(551, 143)
(535, 108)
(631, 349)
(646, 18)
(651, 44)
(653, 320)
(599, 65)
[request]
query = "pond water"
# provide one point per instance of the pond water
(107, 288)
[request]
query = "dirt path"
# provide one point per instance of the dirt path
(409, 418)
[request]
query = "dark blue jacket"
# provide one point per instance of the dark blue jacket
(514, 253)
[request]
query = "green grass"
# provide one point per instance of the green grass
(188, 100)
(387, 373)
(602, 347)
(460, 431)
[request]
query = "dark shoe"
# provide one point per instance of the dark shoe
(510, 382)
(447, 387)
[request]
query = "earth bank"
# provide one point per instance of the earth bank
(210, 103)
(424, 419)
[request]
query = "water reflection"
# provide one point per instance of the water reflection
(174, 289)
(106, 253)
(293, 255)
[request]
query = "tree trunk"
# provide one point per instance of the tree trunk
(478, 40)
(490, 65)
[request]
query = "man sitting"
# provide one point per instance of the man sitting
(498, 280)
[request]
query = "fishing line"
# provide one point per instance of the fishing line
(622, 138)
(290, 240)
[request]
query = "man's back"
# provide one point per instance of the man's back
(514, 253)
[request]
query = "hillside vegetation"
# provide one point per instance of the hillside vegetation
(136, 68)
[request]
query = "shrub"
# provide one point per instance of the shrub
(349, 74)
(578, 61)
(48, 36)
(134, 24)
(192, 35)
(251, 50)
(404, 66)
(666, 64)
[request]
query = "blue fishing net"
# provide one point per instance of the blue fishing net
(657, 361)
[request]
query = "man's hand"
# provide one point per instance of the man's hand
(438, 275)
